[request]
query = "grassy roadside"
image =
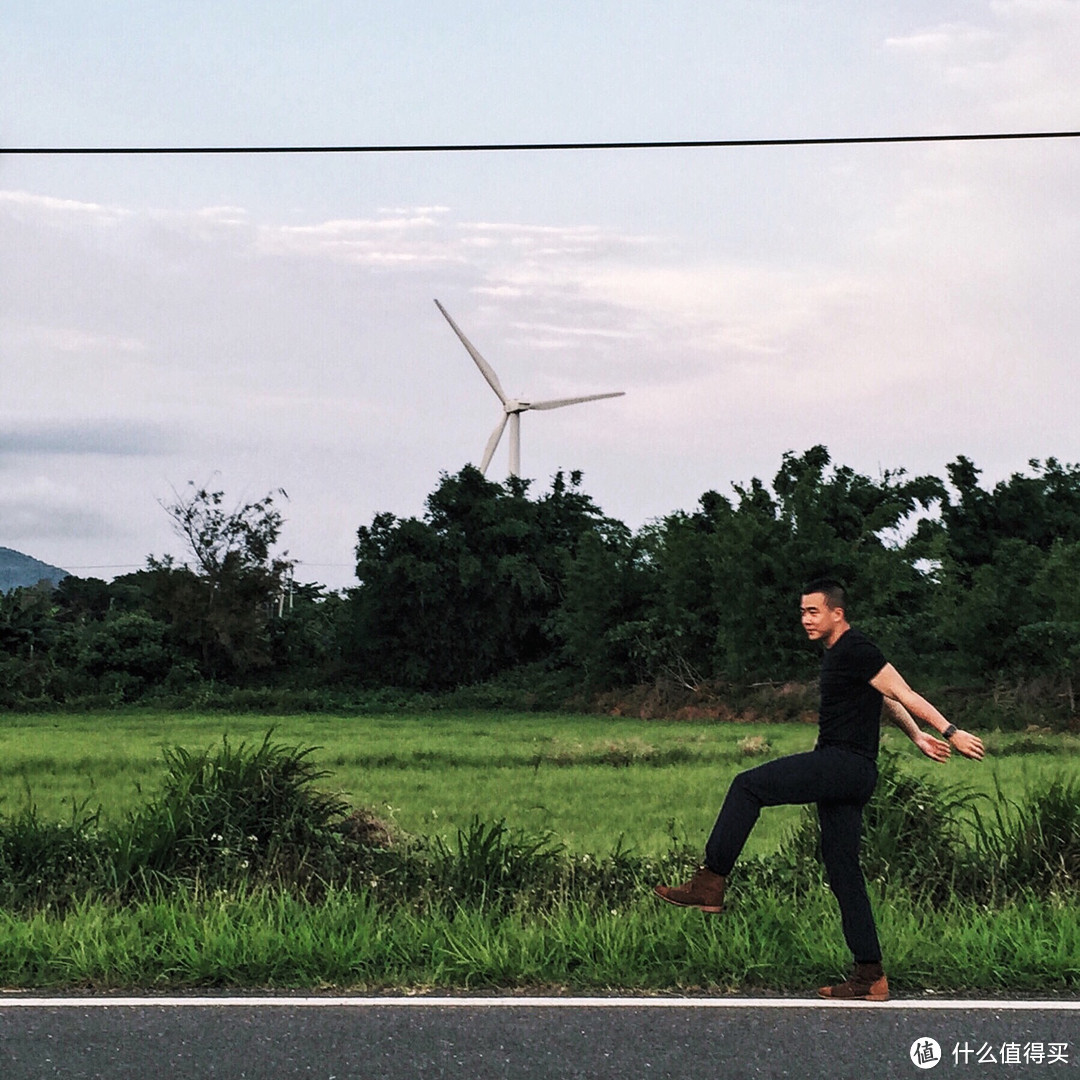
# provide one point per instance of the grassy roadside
(763, 944)
(231, 869)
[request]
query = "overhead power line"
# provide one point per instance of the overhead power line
(459, 148)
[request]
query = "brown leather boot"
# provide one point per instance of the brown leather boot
(705, 891)
(867, 982)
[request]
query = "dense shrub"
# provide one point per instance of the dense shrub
(247, 815)
(46, 864)
(236, 808)
(1033, 845)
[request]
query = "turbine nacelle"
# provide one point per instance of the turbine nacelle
(512, 407)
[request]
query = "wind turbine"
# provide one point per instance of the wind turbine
(512, 407)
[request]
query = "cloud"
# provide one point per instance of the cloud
(946, 40)
(1016, 68)
(402, 238)
(66, 339)
(60, 211)
(428, 237)
(124, 438)
(37, 507)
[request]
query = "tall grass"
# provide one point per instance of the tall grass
(44, 863)
(269, 939)
(238, 808)
(1033, 844)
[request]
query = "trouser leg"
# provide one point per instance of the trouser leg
(798, 778)
(841, 831)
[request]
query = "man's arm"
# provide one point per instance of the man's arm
(935, 749)
(890, 683)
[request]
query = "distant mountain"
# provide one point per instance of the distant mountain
(19, 571)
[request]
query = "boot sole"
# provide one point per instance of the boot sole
(857, 997)
(709, 909)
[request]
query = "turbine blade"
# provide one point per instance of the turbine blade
(493, 442)
(485, 368)
(558, 403)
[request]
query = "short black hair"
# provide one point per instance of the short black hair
(834, 592)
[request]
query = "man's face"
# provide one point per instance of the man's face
(821, 622)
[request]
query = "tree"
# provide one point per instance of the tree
(734, 570)
(1006, 571)
(306, 641)
(29, 637)
(1039, 510)
(1049, 644)
(219, 607)
(470, 589)
(80, 601)
(600, 624)
(714, 593)
(124, 654)
(984, 616)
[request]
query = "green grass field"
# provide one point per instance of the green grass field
(589, 780)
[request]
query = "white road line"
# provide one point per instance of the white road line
(284, 1001)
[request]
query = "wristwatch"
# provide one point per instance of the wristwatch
(949, 732)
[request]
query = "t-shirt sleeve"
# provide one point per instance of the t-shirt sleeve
(866, 660)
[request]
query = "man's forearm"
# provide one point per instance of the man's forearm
(922, 710)
(935, 749)
(890, 683)
(898, 715)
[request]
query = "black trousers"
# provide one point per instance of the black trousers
(840, 782)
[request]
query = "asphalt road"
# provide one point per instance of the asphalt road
(477, 1039)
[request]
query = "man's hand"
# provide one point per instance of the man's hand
(969, 745)
(934, 749)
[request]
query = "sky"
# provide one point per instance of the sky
(263, 322)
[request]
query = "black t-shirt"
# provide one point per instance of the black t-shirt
(850, 713)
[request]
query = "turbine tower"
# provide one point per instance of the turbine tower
(512, 407)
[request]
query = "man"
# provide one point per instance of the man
(838, 775)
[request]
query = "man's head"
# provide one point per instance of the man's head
(823, 605)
